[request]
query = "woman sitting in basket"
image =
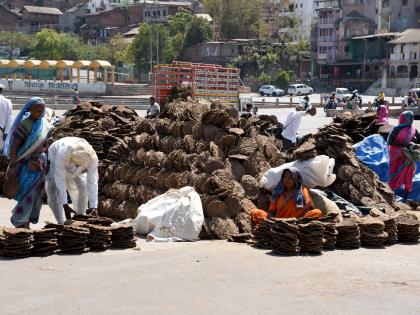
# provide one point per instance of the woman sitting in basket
(289, 200)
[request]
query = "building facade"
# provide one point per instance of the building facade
(399, 15)
(337, 23)
(9, 19)
(72, 19)
(304, 12)
(404, 63)
(34, 19)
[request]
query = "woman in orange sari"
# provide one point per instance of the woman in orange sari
(289, 200)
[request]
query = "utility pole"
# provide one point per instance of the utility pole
(364, 65)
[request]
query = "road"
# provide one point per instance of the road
(315, 98)
(211, 277)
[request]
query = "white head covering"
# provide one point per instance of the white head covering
(81, 153)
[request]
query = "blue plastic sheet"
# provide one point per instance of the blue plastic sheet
(373, 152)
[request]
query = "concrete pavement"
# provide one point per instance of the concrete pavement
(211, 277)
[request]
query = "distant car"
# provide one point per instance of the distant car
(271, 90)
(299, 89)
(342, 94)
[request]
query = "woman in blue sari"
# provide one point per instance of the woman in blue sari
(24, 146)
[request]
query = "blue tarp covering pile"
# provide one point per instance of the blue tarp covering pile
(373, 152)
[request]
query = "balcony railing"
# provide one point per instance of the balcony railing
(326, 39)
(329, 20)
(326, 57)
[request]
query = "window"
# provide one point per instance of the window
(301, 5)
(346, 48)
(401, 49)
(128, 18)
(415, 56)
(404, 2)
(164, 12)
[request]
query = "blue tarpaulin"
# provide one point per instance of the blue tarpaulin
(373, 152)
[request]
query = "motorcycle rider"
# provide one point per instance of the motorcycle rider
(306, 103)
(332, 102)
(355, 97)
(381, 98)
(411, 101)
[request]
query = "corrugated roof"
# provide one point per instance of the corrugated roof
(42, 10)
(412, 35)
(384, 35)
(75, 8)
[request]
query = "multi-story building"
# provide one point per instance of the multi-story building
(73, 18)
(337, 23)
(59, 4)
(30, 19)
(404, 63)
(399, 15)
(304, 12)
(100, 26)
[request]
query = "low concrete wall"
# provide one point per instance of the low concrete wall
(59, 88)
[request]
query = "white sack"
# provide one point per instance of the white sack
(315, 172)
(176, 215)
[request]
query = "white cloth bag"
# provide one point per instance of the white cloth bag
(317, 172)
(176, 215)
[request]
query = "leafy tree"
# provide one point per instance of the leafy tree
(178, 23)
(14, 40)
(115, 51)
(187, 30)
(198, 31)
(283, 79)
(264, 78)
(235, 18)
(47, 45)
(144, 46)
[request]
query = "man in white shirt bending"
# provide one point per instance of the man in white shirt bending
(292, 125)
(73, 168)
(6, 116)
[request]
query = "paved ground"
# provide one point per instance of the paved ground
(211, 278)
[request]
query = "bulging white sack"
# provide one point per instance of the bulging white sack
(176, 215)
(317, 172)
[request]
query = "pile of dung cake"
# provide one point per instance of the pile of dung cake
(355, 182)
(105, 127)
(203, 145)
(359, 127)
(77, 236)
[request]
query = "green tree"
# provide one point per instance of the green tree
(145, 45)
(115, 51)
(178, 23)
(187, 30)
(47, 45)
(283, 79)
(235, 18)
(13, 40)
(198, 31)
(264, 78)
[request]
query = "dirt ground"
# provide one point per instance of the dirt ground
(210, 277)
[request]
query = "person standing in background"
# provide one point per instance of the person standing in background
(76, 97)
(6, 116)
(154, 109)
